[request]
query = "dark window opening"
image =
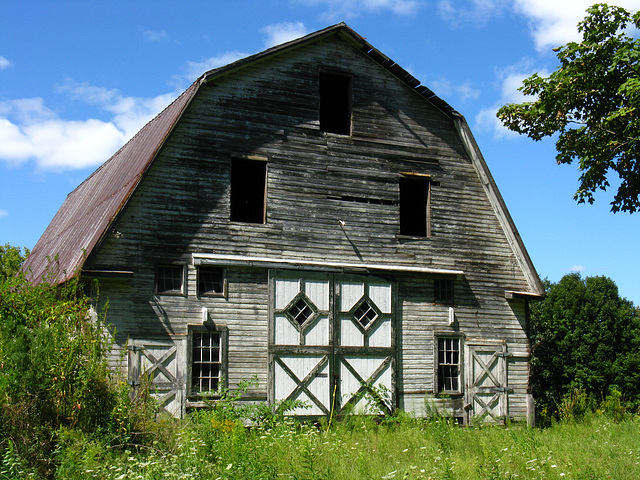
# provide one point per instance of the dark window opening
(414, 200)
(448, 364)
(206, 364)
(169, 279)
(210, 281)
(365, 314)
(248, 190)
(443, 291)
(301, 311)
(335, 103)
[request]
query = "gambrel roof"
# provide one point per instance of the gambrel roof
(88, 213)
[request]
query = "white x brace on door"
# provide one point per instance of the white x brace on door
(332, 341)
(487, 381)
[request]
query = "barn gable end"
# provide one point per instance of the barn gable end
(314, 217)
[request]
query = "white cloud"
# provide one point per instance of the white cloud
(4, 63)
(29, 130)
(283, 32)
(3, 213)
(577, 269)
(353, 8)
(554, 23)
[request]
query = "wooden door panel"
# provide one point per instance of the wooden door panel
(305, 378)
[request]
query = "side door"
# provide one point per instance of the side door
(487, 383)
(156, 365)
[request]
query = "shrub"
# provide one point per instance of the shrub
(53, 369)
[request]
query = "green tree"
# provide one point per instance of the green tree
(11, 259)
(592, 101)
(584, 336)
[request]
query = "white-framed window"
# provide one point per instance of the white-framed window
(169, 280)
(448, 356)
(207, 359)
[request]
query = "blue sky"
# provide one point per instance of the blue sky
(79, 78)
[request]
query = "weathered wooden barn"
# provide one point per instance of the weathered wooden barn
(313, 217)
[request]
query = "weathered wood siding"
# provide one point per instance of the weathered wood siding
(270, 109)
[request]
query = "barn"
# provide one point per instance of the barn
(313, 218)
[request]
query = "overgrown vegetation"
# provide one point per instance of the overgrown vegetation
(63, 416)
(53, 370)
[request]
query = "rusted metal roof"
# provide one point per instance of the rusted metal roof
(88, 212)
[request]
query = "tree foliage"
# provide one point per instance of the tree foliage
(584, 337)
(592, 101)
(11, 259)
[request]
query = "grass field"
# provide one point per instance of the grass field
(207, 446)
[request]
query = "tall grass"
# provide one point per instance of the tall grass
(208, 447)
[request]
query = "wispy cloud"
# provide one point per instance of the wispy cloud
(283, 32)
(31, 131)
(3, 213)
(195, 69)
(510, 80)
(354, 8)
(466, 12)
(4, 63)
(577, 269)
(155, 35)
(445, 88)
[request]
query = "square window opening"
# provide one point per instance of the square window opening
(248, 190)
(448, 365)
(335, 103)
(169, 279)
(414, 203)
(443, 291)
(206, 360)
(211, 281)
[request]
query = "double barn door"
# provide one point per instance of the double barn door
(332, 342)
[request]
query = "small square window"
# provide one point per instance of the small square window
(211, 281)
(448, 356)
(169, 279)
(443, 291)
(206, 360)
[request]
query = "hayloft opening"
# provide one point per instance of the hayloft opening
(414, 202)
(335, 103)
(248, 190)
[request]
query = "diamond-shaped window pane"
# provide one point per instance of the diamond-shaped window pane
(300, 311)
(365, 314)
